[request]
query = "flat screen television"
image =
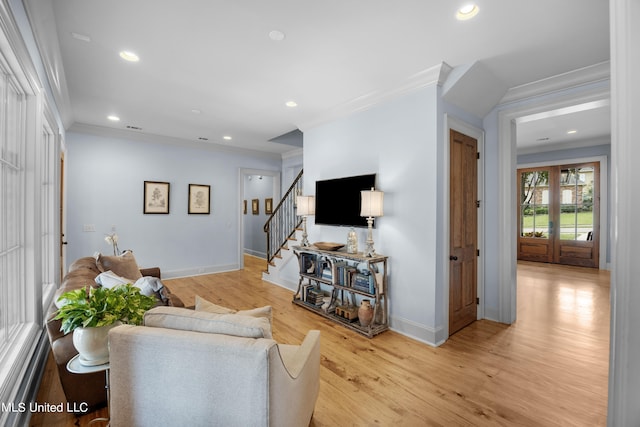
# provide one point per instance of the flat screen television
(338, 200)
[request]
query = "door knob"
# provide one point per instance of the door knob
(453, 258)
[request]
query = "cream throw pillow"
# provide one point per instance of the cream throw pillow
(212, 323)
(204, 305)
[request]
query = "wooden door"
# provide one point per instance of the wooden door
(463, 231)
(559, 218)
(577, 235)
(535, 224)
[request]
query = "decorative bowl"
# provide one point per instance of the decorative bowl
(328, 246)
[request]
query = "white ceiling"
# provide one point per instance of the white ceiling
(216, 57)
(580, 125)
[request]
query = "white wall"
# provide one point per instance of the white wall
(291, 167)
(401, 142)
(105, 188)
(624, 365)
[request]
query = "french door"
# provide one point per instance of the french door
(558, 214)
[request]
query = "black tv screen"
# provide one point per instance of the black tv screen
(338, 200)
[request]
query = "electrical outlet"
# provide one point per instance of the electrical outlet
(87, 228)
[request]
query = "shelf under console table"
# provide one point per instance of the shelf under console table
(334, 283)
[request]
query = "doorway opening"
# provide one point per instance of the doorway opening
(595, 95)
(255, 200)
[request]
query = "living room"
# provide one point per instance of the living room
(105, 175)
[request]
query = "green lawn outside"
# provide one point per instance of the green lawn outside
(566, 219)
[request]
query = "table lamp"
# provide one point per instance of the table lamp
(371, 207)
(306, 205)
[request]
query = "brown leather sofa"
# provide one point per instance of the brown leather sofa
(85, 391)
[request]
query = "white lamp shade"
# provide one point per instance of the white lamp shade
(306, 205)
(372, 203)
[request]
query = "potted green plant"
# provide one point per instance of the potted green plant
(90, 312)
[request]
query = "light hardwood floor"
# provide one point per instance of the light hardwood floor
(549, 368)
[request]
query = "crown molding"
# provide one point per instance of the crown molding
(433, 75)
(159, 139)
(591, 74)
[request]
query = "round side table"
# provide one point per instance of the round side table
(75, 367)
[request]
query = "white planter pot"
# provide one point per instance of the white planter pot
(93, 344)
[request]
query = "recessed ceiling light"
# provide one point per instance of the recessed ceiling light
(226, 138)
(113, 118)
(196, 111)
(127, 55)
(572, 131)
(276, 35)
(467, 12)
(291, 104)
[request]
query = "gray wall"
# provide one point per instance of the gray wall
(104, 185)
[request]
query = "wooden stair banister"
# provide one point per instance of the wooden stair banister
(283, 222)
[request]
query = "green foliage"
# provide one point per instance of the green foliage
(92, 307)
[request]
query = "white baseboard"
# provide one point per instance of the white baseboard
(283, 283)
(198, 271)
(257, 254)
(431, 336)
(491, 314)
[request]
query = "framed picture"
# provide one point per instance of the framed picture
(244, 207)
(255, 206)
(156, 197)
(268, 206)
(199, 199)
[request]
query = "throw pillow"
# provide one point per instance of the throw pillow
(204, 305)
(124, 265)
(257, 312)
(152, 286)
(109, 279)
(213, 323)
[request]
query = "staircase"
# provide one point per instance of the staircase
(281, 229)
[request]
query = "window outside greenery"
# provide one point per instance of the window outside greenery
(576, 208)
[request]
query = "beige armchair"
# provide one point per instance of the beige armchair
(187, 368)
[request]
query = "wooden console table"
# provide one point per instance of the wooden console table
(333, 284)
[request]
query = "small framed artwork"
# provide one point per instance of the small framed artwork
(199, 199)
(156, 197)
(244, 207)
(268, 206)
(255, 206)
